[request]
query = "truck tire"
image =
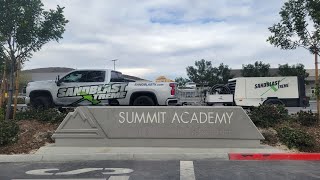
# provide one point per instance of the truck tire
(143, 101)
(273, 102)
(41, 102)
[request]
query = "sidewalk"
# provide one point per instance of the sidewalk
(52, 153)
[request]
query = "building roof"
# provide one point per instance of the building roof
(49, 70)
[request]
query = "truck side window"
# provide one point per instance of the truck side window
(95, 76)
(116, 77)
(77, 76)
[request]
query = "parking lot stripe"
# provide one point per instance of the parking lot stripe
(187, 170)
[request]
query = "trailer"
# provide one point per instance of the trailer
(249, 91)
(254, 91)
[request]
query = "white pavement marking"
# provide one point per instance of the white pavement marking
(117, 171)
(187, 170)
(119, 178)
(41, 171)
(79, 171)
(109, 171)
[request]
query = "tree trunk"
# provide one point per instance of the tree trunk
(11, 83)
(16, 93)
(317, 81)
(3, 85)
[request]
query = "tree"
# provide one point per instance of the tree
(258, 69)
(294, 70)
(223, 74)
(299, 27)
(204, 74)
(181, 81)
(24, 28)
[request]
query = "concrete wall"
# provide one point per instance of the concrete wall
(170, 126)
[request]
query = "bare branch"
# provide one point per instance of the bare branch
(9, 43)
(25, 53)
(308, 33)
(6, 50)
(304, 47)
(13, 38)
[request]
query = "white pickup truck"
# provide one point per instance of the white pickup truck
(98, 87)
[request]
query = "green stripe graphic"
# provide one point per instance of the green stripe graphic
(272, 87)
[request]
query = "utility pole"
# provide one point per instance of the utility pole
(114, 63)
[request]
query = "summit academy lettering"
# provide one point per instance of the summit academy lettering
(179, 118)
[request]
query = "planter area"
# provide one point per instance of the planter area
(33, 129)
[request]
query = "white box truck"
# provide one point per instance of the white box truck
(253, 91)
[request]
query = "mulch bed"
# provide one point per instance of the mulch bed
(32, 135)
(315, 132)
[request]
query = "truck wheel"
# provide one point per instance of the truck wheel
(143, 101)
(41, 102)
(273, 102)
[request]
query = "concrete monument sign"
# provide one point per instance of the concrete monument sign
(158, 127)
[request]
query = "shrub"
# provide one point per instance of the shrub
(295, 138)
(49, 115)
(2, 114)
(8, 132)
(20, 100)
(307, 118)
(268, 115)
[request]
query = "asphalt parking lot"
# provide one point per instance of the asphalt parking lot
(183, 170)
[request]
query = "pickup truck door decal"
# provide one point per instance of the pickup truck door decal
(94, 93)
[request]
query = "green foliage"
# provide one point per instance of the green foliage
(181, 81)
(317, 91)
(258, 69)
(299, 26)
(307, 118)
(204, 74)
(295, 138)
(24, 28)
(294, 70)
(2, 114)
(8, 132)
(268, 115)
(49, 115)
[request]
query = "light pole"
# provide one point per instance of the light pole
(114, 63)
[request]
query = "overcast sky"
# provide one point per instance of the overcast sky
(161, 37)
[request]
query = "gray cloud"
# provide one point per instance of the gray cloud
(153, 38)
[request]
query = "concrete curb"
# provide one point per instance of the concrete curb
(52, 153)
(116, 156)
(275, 156)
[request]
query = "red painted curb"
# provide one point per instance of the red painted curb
(275, 156)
